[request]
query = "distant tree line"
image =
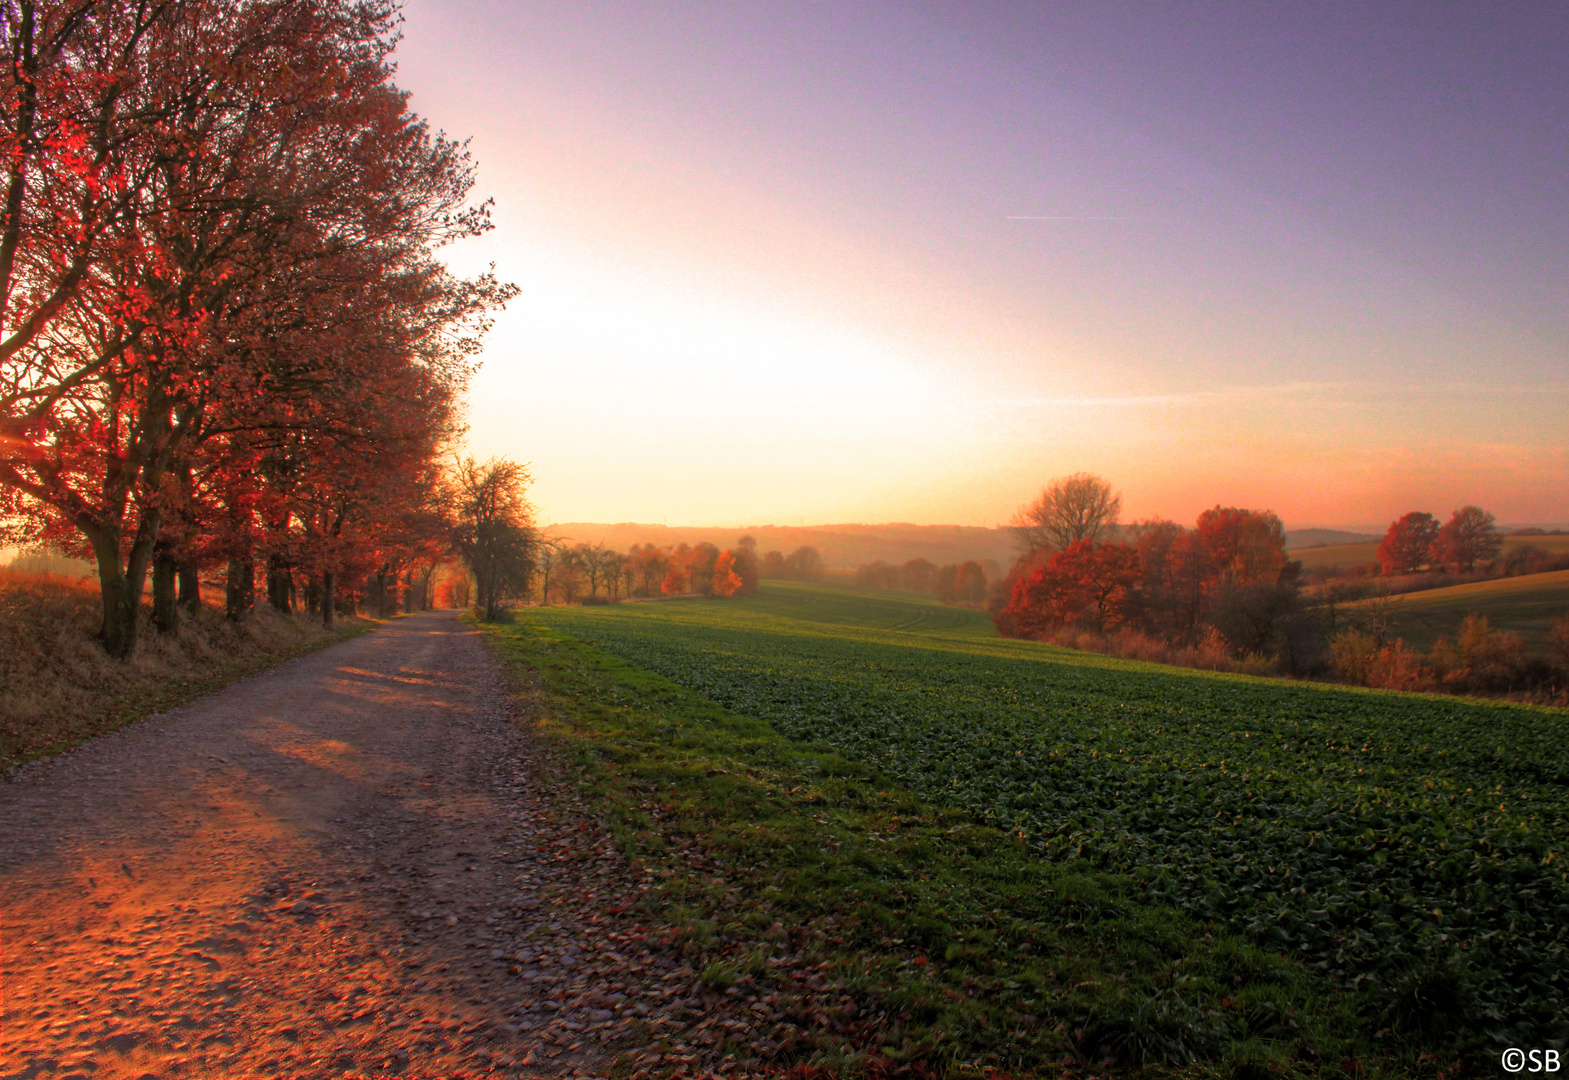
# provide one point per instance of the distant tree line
(584, 573)
(805, 563)
(955, 583)
(1468, 546)
(1226, 594)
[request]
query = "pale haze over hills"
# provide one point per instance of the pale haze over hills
(851, 545)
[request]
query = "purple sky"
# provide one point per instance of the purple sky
(830, 261)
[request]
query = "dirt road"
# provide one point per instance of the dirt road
(351, 864)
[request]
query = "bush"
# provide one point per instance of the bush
(1358, 658)
(1209, 654)
(1558, 642)
(1480, 658)
(1352, 653)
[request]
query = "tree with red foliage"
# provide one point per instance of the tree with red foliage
(677, 571)
(1087, 584)
(1230, 573)
(1408, 545)
(1174, 568)
(699, 564)
(1470, 536)
(191, 185)
(726, 582)
(1245, 547)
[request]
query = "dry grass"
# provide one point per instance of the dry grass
(58, 687)
(1210, 654)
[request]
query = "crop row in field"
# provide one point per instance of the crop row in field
(1385, 840)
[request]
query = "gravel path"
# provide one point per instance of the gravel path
(352, 864)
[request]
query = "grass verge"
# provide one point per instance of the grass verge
(58, 688)
(936, 945)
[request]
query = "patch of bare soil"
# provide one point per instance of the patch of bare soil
(356, 863)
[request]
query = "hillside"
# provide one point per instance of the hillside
(852, 545)
(956, 817)
(1316, 538)
(1527, 605)
(842, 546)
(1343, 555)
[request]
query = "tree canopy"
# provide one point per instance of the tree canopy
(224, 334)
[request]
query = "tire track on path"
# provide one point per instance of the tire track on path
(353, 863)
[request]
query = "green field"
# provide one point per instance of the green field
(1401, 853)
(1344, 555)
(1527, 605)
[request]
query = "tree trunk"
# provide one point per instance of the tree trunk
(329, 598)
(383, 599)
(190, 589)
(239, 592)
(121, 587)
(280, 584)
(166, 608)
(118, 629)
(481, 589)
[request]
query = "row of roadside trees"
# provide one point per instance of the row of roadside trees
(512, 560)
(226, 340)
(568, 573)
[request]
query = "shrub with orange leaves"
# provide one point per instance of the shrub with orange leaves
(1480, 658)
(675, 579)
(726, 581)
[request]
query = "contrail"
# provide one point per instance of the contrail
(1067, 217)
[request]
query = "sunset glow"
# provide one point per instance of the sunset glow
(599, 538)
(817, 265)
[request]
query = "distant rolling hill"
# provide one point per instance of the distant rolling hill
(852, 545)
(1308, 538)
(1342, 555)
(842, 546)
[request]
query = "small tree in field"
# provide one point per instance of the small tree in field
(1470, 536)
(495, 534)
(1408, 545)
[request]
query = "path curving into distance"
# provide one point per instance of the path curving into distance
(352, 863)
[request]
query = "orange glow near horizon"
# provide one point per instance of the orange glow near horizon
(722, 325)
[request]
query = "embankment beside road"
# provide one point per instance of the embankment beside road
(58, 687)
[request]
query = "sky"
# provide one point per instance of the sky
(809, 262)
